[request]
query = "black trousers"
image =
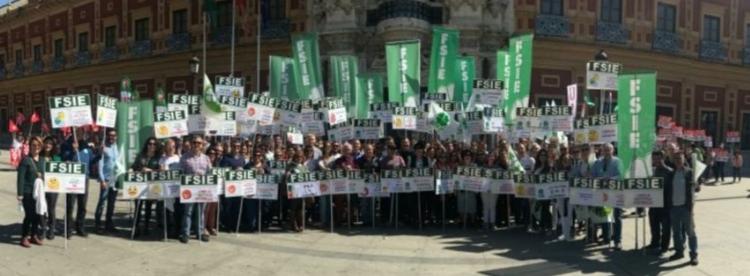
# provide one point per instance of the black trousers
(51, 222)
(31, 218)
(719, 171)
(660, 224)
(81, 200)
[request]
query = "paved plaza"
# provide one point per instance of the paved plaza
(721, 217)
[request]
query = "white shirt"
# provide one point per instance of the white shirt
(170, 162)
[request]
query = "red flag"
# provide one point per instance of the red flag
(45, 127)
(20, 118)
(35, 118)
(12, 127)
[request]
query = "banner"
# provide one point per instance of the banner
(151, 185)
(135, 121)
(470, 179)
(282, 78)
(465, 80)
(596, 130)
(403, 63)
(444, 183)
(170, 124)
(602, 75)
(443, 56)
(333, 182)
(343, 75)
(504, 67)
(106, 111)
(199, 188)
(70, 111)
(239, 183)
(308, 76)
(520, 55)
(486, 93)
(335, 111)
(261, 108)
(419, 179)
(267, 187)
(372, 187)
(340, 133)
(636, 115)
(391, 182)
(626, 193)
(64, 177)
(369, 90)
(302, 185)
(500, 181)
(524, 186)
(229, 86)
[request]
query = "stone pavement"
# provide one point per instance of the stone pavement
(721, 218)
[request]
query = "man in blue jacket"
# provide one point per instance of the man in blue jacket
(607, 167)
(77, 151)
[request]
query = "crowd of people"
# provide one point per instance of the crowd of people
(197, 155)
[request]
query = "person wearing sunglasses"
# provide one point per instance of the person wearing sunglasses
(197, 163)
(147, 161)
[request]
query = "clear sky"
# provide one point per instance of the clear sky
(3, 2)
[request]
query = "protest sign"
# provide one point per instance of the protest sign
(596, 130)
(444, 182)
(602, 75)
(70, 110)
(733, 137)
(333, 182)
(151, 185)
(419, 179)
(239, 183)
(267, 187)
(524, 186)
(64, 177)
(261, 108)
(367, 129)
(627, 193)
(551, 185)
(500, 181)
(405, 118)
(199, 188)
(229, 86)
(302, 185)
(190, 104)
(486, 93)
(106, 111)
(391, 181)
(224, 125)
(170, 124)
(470, 179)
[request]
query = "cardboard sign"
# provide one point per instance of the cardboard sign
(597, 129)
(170, 124)
(199, 188)
(229, 86)
(225, 125)
(239, 183)
(367, 129)
(733, 136)
(64, 177)
(551, 185)
(303, 185)
(602, 75)
(106, 111)
(383, 111)
(151, 185)
(267, 187)
(191, 104)
(70, 111)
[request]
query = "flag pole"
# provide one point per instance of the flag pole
(234, 23)
(204, 42)
(257, 50)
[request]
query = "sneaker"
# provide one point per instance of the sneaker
(205, 238)
(36, 240)
(82, 233)
(676, 256)
(25, 243)
(50, 235)
(184, 239)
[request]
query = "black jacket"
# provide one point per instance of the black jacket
(669, 188)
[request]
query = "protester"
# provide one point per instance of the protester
(195, 163)
(489, 199)
(659, 217)
(30, 171)
(681, 214)
(170, 161)
(107, 178)
(296, 206)
(77, 151)
(147, 161)
(607, 167)
(737, 166)
(719, 163)
(215, 152)
(466, 200)
(234, 160)
(50, 153)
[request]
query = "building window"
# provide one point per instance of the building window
(2, 61)
(552, 7)
(141, 29)
(37, 53)
(611, 11)
(276, 9)
(109, 36)
(711, 28)
(19, 57)
(665, 18)
(58, 48)
(224, 14)
(179, 22)
(83, 42)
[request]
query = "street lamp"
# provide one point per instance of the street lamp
(602, 55)
(195, 65)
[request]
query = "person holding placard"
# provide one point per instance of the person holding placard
(521, 210)
(30, 171)
(77, 151)
(234, 160)
(607, 167)
(546, 163)
(682, 197)
(197, 163)
(50, 153)
(503, 163)
(107, 179)
(658, 217)
(215, 152)
(368, 163)
(147, 161)
(467, 200)
(295, 217)
(489, 200)
(250, 211)
(170, 161)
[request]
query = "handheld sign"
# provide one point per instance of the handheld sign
(151, 185)
(487, 92)
(367, 129)
(444, 182)
(471, 179)
(106, 111)
(391, 181)
(405, 118)
(551, 185)
(421, 179)
(602, 75)
(199, 188)
(333, 182)
(598, 129)
(302, 185)
(383, 111)
(239, 183)
(229, 86)
(191, 105)
(335, 111)
(524, 186)
(170, 124)
(70, 111)
(224, 125)
(267, 187)
(500, 181)
(627, 193)
(261, 108)
(64, 177)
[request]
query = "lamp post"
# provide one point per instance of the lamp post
(601, 56)
(195, 65)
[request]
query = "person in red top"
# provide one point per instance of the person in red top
(736, 166)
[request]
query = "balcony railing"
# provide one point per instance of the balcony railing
(612, 33)
(19, 70)
(83, 58)
(666, 42)
(178, 42)
(2, 73)
(110, 54)
(222, 35)
(746, 56)
(37, 67)
(552, 25)
(141, 48)
(712, 50)
(275, 29)
(58, 63)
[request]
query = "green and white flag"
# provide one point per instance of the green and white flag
(443, 61)
(135, 122)
(438, 117)
(521, 49)
(403, 62)
(636, 98)
(210, 106)
(282, 78)
(308, 76)
(504, 67)
(465, 81)
(369, 90)
(344, 73)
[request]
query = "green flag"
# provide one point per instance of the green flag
(126, 90)
(209, 105)
(521, 49)
(282, 78)
(369, 90)
(135, 122)
(636, 93)
(437, 116)
(160, 99)
(308, 77)
(403, 62)
(503, 69)
(465, 80)
(344, 71)
(443, 61)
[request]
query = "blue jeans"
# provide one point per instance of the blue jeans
(188, 215)
(615, 235)
(682, 225)
(108, 195)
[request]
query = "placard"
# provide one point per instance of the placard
(229, 86)
(500, 181)
(267, 187)
(444, 182)
(551, 185)
(70, 111)
(627, 193)
(191, 104)
(524, 186)
(224, 125)
(106, 111)
(64, 177)
(419, 179)
(596, 130)
(199, 188)
(602, 75)
(391, 181)
(239, 183)
(170, 124)
(366, 129)
(471, 179)
(383, 111)
(301, 185)
(154, 185)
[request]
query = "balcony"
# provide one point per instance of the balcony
(405, 9)
(2, 73)
(58, 63)
(37, 67)
(746, 56)
(713, 51)
(109, 54)
(552, 25)
(275, 29)
(612, 33)
(141, 48)
(178, 42)
(83, 58)
(222, 35)
(666, 42)
(19, 70)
